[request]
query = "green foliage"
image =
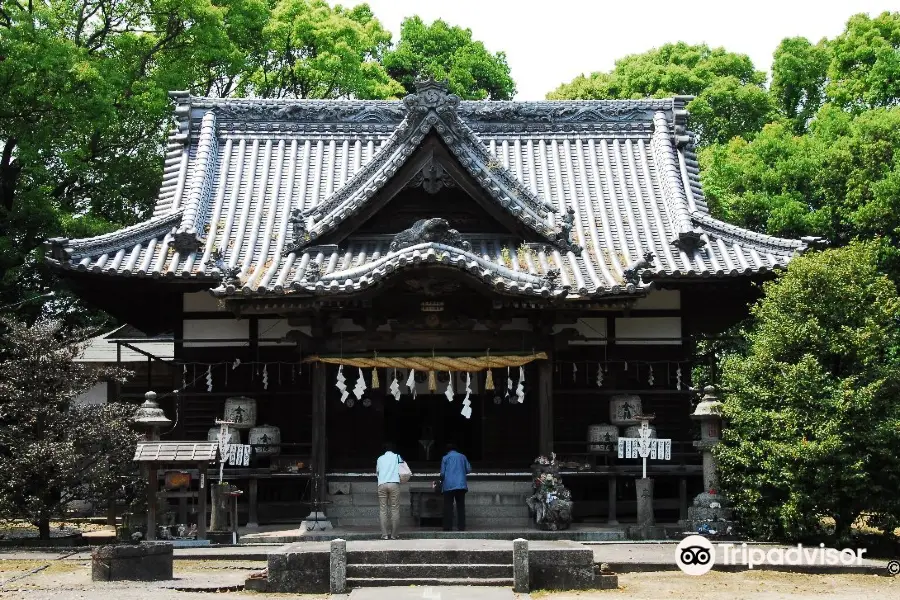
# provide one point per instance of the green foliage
(312, 50)
(841, 180)
(865, 63)
(799, 71)
(52, 451)
(449, 52)
(812, 419)
(730, 96)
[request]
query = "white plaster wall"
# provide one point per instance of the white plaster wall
(93, 397)
(216, 329)
(272, 329)
(660, 300)
(200, 302)
(646, 331)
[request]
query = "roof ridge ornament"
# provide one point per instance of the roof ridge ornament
(185, 240)
(432, 95)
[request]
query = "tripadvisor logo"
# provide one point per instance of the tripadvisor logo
(696, 555)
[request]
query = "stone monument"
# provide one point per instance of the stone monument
(645, 447)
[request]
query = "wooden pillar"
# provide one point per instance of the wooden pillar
(111, 511)
(682, 499)
(253, 500)
(612, 501)
(319, 439)
(201, 504)
(545, 406)
(152, 489)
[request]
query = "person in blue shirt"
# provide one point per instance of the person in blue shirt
(387, 468)
(454, 468)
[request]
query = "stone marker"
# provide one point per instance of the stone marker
(147, 561)
(520, 566)
(644, 502)
(338, 578)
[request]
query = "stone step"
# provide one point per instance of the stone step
(390, 582)
(405, 511)
(428, 556)
(430, 571)
(472, 499)
(408, 523)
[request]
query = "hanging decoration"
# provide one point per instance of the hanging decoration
(678, 378)
(265, 377)
(375, 383)
(626, 365)
(411, 383)
(235, 364)
(650, 376)
(341, 384)
(395, 387)
(599, 375)
(489, 380)
(509, 383)
(432, 382)
(520, 389)
(184, 377)
(360, 387)
(574, 373)
(351, 402)
(209, 378)
(449, 391)
(467, 404)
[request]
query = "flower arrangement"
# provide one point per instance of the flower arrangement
(551, 502)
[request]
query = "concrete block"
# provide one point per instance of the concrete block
(147, 561)
(567, 566)
(520, 566)
(338, 563)
(294, 569)
(338, 487)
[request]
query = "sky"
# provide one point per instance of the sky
(548, 43)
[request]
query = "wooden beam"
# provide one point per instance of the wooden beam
(319, 439)
(545, 406)
(201, 503)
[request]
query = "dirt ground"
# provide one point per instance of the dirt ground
(71, 580)
(749, 585)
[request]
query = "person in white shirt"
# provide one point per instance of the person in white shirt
(388, 469)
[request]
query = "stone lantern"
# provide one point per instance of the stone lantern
(708, 514)
(150, 418)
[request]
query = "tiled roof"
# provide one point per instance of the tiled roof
(236, 169)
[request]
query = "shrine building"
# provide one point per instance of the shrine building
(331, 268)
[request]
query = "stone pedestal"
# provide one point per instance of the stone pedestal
(338, 565)
(644, 488)
(520, 566)
(316, 521)
(148, 561)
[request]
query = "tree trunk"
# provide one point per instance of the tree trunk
(44, 528)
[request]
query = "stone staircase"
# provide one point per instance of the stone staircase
(489, 504)
(429, 567)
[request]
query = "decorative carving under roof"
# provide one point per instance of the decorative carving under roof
(432, 178)
(429, 230)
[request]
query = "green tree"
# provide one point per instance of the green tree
(812, 419)
(840, 181)
(731, 98)
(51, 450)
(864, 71)
(84, 116)
(799, 73)
(311, 50)
(448, 52)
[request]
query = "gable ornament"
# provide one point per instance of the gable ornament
(185, 240)
(435, 230)
(229, 276)
(632, 274)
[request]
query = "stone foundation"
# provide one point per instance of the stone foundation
(148, 561)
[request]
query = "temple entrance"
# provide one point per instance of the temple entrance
(422, 427)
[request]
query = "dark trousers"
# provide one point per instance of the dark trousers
(460, 497)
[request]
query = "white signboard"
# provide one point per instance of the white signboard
(645, 447)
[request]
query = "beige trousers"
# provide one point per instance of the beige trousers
(389, 501)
